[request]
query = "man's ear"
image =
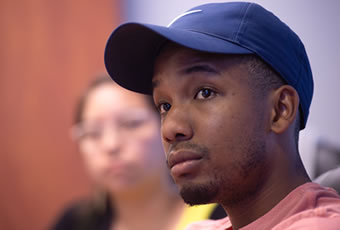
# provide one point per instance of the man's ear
(285, 108)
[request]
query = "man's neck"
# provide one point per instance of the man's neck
(271, 193)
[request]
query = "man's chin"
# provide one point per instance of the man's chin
(199, 194)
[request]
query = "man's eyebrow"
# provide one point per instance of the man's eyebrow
(155, 83)
(199, 68)
(195, 68)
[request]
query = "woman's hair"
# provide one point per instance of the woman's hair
(95, 213)
(99, 81)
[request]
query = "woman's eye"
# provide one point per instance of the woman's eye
(131, 124)
(92, 134)
(164, 107)
(205, 93)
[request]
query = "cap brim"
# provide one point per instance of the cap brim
(132, 48)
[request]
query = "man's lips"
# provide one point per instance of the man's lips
(181, 157)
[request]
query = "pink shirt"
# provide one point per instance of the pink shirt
(309, 206)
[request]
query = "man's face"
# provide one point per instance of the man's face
(213, 127)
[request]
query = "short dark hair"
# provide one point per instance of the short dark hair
(264, 78)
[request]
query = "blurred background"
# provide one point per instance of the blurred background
(49, 51)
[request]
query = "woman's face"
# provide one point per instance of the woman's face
(120, 139)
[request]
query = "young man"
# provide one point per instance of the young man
(233, 86)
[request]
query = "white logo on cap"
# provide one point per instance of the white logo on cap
(181, 15)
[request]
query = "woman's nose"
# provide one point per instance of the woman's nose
(111, 141)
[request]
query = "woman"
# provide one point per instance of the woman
(118, 134)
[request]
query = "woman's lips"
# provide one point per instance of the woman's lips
(183, 162)
(116, 168)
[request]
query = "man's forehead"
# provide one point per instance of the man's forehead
(176, 57)
(183, 61)
(170, 49)
(163, 58)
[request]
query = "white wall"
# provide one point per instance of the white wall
(318, 25)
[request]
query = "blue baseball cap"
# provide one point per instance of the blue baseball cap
(224, 28)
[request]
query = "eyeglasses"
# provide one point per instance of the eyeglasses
(126, 125)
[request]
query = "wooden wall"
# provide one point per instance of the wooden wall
(49, 50)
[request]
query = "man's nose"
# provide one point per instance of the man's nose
(177, 126)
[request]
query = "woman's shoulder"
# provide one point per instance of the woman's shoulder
(82, 215)
(68, 218)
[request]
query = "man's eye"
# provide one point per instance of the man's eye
(164, 107)
(204, 93)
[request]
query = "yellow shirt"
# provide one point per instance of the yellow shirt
(195, 213)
